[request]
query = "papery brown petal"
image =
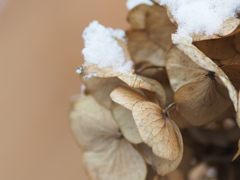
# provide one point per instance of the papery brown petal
(219, 138)
(92, 124)
(181, 70)
(93, 70)
(203, 61)
(229, 27)
(101, 88)
(237, 42)
(158, 73)
(238, 110)
(233, 60)
(137, 17)
(198, 171)
(159, 27)
(161, 165)
(203, 101)
(181, 122)
(126, 123)
(126, 97)
(238, 152)
(217, 49)
(141, 82)
(118, 161)
(156, 131)
(233, 73)
(175, 175)
(142, 48)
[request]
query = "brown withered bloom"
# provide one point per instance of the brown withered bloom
(156, 130)
(149, 37)
(173, 113)
(203, 93)
(107, 154)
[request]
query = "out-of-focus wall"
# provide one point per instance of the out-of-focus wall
(40, 44)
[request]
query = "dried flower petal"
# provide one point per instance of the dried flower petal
(126, 123)
(229, 27)
(107, 155)
(218, 49)
(156, 130)
(238, 152)
(100, 88)
(181, 70)
(203, 101)
(199, 58)
(233, 73)
(137, 17)
(162, 166)
(143, 49)
(150, 40)
(136, 81)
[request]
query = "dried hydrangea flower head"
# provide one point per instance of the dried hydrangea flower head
(131, 78)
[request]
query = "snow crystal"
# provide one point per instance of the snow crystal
(201, 16)
(133, 3)
(79, 70)
(90, 75)
(101, 47)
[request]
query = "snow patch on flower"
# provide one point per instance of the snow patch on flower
(133, 3)
(201, 16)
(102, 49)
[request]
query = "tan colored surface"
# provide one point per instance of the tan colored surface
(40, 43)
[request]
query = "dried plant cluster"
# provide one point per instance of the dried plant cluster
(174, 115)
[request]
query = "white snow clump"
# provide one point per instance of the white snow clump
(133, 3)
(102, 49)
(201, 16)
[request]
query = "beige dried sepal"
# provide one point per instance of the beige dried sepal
(237, 42)
(202, 101)
(238, 152)
(141, 82)
(181, 70)
(126, 123)
(150, 35)
(175, 175)
(157, 131)
(203, 61)
(126, 97)
(137, 17)
(229, 27)
(218, 49)
(159, 27)
(238, 110)
(103, 145)
(233, 73)
(142, 48)
(100, 88)
(162, 166)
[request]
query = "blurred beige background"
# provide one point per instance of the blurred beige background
(40, 44)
